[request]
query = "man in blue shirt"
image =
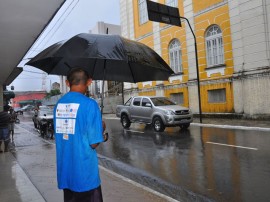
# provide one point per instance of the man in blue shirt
(78, 131)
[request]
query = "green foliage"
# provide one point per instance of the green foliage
(52, 93)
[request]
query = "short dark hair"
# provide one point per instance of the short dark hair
(77, 76)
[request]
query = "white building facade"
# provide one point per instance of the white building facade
(250, 25)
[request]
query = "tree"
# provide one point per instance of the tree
(52, 93)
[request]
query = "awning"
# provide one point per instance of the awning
(21, 24)
(16, 71)
(29, 101)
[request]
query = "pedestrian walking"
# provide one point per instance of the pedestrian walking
(78, 131)
(13, 118)
(4, 128)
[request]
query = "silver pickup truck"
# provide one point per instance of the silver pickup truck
(158, 111)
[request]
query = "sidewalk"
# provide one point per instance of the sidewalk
(28, 175)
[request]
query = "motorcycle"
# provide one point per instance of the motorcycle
(46, 128)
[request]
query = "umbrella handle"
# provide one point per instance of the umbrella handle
(102, 95)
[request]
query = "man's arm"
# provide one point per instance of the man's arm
(105, 136)
(93, 146)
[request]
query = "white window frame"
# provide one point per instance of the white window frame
(175, 55)
(143, 15)
(214, 46)
(172, 3)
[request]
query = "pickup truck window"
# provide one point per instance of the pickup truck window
(128, 102)
(145, 101)
(161, 101)
(137, 101)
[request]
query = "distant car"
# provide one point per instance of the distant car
(27, 108)
(43, 121)
(18, 110)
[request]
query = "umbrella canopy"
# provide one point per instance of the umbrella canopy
(105, 57)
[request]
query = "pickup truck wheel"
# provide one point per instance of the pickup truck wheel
(184, 126)
(125, 121)
(158, 124)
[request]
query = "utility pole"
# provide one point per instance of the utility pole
(44, 77)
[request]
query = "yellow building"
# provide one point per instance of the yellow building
(211, 25)
(233, 43)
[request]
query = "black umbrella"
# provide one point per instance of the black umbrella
(105, 57)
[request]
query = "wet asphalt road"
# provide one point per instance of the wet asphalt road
(200, 163)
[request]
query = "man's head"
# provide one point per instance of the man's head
(78, 80)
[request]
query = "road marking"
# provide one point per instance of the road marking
(229, 145)
(231, 127)
(115, 118)
(134, 131)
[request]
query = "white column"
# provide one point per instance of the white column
(66, 87)
(188, 13)
(63, 86)
(157, 44)
(127, 27)
(266, 12)
(1, 98)
(61, 83)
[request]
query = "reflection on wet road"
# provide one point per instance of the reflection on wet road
(216, 164)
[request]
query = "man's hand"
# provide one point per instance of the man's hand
(105, 134)
(103, 126)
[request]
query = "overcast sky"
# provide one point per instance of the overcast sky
(76, 16)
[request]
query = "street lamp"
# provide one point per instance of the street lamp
(170, 15)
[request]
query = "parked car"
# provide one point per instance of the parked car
(43, 121)
(18, 110)
(27, 108)
(161, 112)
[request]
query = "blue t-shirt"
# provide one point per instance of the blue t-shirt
(77, 124)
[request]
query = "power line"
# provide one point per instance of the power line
(30, 78)
(43, 37)
(34, 78)
(39, 41)
(62, 21)
(32, 72)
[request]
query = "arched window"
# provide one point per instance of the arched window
(143, 15)
(173, 3)
(175, 55)
(214, 46)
